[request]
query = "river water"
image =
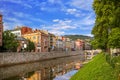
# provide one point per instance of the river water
(54, 69)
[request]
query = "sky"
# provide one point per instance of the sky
(60, 17)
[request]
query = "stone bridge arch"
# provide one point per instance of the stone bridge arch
(89, 54)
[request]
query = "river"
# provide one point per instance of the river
(41, 70)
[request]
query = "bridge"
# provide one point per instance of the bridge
(89, 54)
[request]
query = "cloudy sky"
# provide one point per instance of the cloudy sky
(60, 17)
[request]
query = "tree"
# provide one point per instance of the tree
(107, 18)
(9, 41)
(114, 38)
(30, 46)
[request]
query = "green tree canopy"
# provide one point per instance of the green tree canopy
(30, 46)
(107, 17)
(114, 38)
(9, 41)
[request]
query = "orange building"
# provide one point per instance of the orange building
(1, 29)
(40, 39)
(34, 36)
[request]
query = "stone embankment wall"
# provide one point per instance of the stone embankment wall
(19, 58)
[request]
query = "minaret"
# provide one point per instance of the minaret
(1, 29)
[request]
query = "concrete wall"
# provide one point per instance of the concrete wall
(17, 58)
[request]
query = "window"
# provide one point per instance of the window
(34, 37)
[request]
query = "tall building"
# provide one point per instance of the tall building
(1, 29)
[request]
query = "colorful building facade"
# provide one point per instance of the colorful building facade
(79, 44)
(52, 42)
(19, 31)
(35, 37)
(44, 41)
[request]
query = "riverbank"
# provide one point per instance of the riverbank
(96, 69)
(7, 59)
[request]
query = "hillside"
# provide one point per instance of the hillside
(97, 69)
(74, 37)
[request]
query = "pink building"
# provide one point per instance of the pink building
(79, 44)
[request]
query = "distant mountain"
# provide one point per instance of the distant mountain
(74, 37)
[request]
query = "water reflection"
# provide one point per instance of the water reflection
(43, 70)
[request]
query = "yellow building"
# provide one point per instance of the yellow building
(35, 37)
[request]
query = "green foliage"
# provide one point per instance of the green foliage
(30, 46)
(114, 62)
(108, 58)
(96, 69)
(114, 38)
(9, 41)
(107, 18)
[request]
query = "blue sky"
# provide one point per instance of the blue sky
(60, 17)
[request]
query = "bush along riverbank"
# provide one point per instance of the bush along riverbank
(101, 67)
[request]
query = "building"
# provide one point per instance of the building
(44, 41)
(67, 44)
(79, 44)
(87, 45)
(52, 42)
(22, 44)
(1, 29)
(59, 43)
(35, 36)
(19, 31)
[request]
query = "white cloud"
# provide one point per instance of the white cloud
(10, 26)
(89, 35)
(20, 2)
(21, 14)
(85, 23)
(60, 26)
(81, 4)
(51, 5)
(73, 11)
(17, 21)
(57, 32)
(56, 20)
(26, 16)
